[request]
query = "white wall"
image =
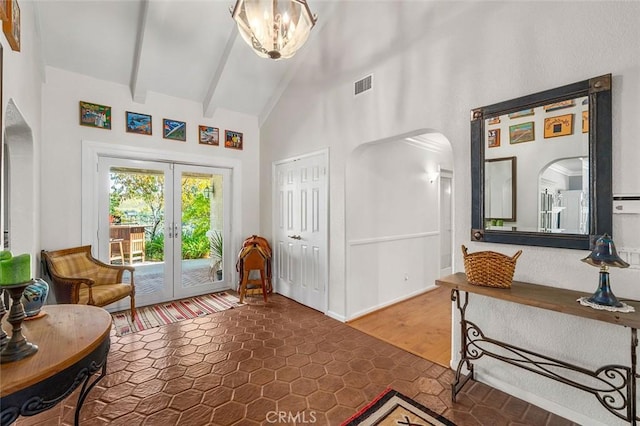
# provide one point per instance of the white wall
(63, 139)
(433, 62)
(392, 225)
(21, 84)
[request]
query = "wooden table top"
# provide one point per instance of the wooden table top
(65, 335)
(544, 297)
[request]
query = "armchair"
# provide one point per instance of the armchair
(78, 278)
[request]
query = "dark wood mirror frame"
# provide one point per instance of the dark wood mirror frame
(598, 90)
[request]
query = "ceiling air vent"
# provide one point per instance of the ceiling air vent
(363, 85)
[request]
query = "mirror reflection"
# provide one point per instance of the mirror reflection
(500, 186)
(551, 183)
(564, 201)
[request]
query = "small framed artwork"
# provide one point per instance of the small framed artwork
(11, 25)
(138, 123)
(523, 132)
(585, 121)
(494, 138)
(232, 139)
(174, 130)
(493, 120)
(94, 115)
(561, 125)
(559, 105)
(523, 113)
(208, 135)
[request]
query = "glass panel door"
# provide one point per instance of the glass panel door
(199, 204)
(134, 223)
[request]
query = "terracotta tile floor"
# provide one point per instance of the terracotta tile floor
(239, 366)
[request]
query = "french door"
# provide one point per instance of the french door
(165, 220)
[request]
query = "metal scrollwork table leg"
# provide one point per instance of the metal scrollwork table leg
(614, 386)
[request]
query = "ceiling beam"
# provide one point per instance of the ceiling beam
(42, 65)
(138, 91)
(208, 106)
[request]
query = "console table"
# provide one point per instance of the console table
(614, 386)
(73, 342)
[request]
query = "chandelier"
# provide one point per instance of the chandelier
(274, 29)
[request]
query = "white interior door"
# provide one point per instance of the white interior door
(300, 217)
(446, 224)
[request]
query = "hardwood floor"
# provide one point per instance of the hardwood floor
(421, 325)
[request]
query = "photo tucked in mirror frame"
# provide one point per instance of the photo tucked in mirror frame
(563, 183)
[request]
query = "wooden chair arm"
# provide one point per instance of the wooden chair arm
(67, 289)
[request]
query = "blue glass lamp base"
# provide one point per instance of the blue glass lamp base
(603, 295)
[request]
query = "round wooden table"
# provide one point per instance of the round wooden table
(73, 343)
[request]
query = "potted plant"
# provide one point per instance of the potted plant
(216, 244)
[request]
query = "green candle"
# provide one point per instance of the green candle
(15, 269)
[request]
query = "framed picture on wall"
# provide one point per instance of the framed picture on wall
(523, 113)
(94, 115)
(11, 25)
(560, 125)
(173, 129)
(208, 135)
(233, 139)
(138, 123)
(559, 105)
(494, 138)
(523, 132)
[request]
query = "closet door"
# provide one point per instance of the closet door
(301, 230)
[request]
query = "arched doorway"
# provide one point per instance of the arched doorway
(399, 235)
(19, 206)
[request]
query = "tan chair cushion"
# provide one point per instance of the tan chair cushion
(105, 294)
(78, 265)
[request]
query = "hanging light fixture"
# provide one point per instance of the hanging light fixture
(274, 29)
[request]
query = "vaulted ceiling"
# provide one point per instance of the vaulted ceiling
(184, 48)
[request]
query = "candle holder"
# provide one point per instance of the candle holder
(4, 339)
(18, 347)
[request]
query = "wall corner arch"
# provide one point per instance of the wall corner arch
(22, 191)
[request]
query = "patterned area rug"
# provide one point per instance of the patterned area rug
(170, 312)
(393, 408)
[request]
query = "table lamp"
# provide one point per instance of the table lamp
(603, 256)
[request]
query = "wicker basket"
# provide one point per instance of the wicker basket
(490, 269)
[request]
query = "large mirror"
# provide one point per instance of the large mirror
(562, 138)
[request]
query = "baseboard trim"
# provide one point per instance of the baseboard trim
(391, 302)
(336, 316)
(534, 399)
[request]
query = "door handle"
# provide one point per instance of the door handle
(295, 237)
